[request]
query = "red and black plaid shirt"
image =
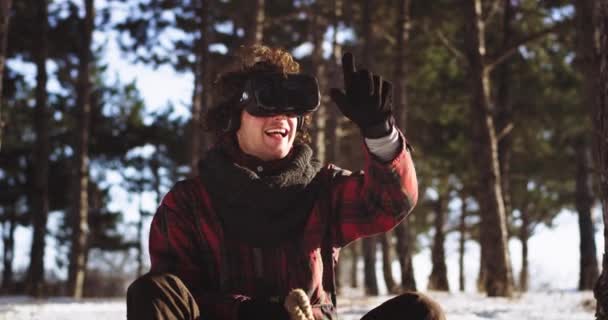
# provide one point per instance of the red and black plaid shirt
(186, 238)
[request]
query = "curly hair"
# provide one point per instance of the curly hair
(225, 116)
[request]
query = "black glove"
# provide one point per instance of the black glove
(366, 99)
(262, 309)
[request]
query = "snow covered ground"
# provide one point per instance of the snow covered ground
(554, 305)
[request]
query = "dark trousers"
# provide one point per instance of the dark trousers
(164, 296)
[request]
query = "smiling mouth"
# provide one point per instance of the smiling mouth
(277, 132)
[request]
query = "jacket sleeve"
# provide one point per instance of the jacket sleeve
(376, 199)
(175, 247)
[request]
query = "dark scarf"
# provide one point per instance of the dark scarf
(261, 209)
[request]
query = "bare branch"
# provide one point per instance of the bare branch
(492, 12)
(283, 19)
(389, 38)
(507, 53)
(505, 131)
(446, 43)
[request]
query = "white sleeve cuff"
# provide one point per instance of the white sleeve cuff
(385, 148)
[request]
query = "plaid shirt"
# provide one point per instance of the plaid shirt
(186, 238)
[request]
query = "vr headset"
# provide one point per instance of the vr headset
(270, 94)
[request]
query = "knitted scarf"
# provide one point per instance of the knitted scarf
(262, 210)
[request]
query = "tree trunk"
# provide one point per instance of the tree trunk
(5, 10)
(387, 262)
(481, 276)
(40, 194)
(584, 201)
(504, 112)
(355, 249)
(140, 249)
(196, 116)
(600, 129)
(504, 117)
(586, 58)
(493, 229)
(335, 75)
(403, 234)
(255, 34)
(370, 280)
(332, 125)
(8, 238)
(462, 229)
(202, 86)
(319, 69)
(438, 280)
(369, 244)
(524, 236)
(399, 76)
(80, 227)
(405, 241)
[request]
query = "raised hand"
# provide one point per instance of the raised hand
(366, 99)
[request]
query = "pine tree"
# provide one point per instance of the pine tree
(438, 280)
(80, 226)
(40, 201)
(600, 125)
(586, 55)
(5, 10)
(201, 99)
(485, 148)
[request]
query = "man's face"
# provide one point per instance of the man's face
(268, 138)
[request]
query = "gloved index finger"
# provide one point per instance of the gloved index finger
(348, 68)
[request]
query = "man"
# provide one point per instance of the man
(257, 234)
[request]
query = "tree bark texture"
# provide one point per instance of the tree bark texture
(140, 247)
(504, 112)
(332, 126)
(403, 234)
(404, 248)
(386, 239)
(481, 276)
(369, 244)
(387, 261)
(587, 64)
(493, 229)
(438, 280)
(5, 10)
(524, 236)
(40, 194)
(80, 227)
(319, 68)
(202, 87)
(462, 229)
(370, 280)
(355, 249)
(600, 138)
(255, 34)
(588, 272)
(400, 73)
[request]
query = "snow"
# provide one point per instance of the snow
(551, 305)
(557, 305)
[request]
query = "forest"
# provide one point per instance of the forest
(504, 102)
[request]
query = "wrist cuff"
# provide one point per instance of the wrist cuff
(376, 131)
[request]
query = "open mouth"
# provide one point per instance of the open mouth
(277, 132)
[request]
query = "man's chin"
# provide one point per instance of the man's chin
(278, 153)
